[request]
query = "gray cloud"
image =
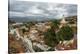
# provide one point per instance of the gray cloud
(50, 10)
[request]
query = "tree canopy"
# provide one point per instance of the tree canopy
(65, 33)
(50, 38)
(55, 24)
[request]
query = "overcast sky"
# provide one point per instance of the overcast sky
(50, 10)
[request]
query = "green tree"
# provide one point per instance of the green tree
(50, 38)
(65, 33)
(55, 25)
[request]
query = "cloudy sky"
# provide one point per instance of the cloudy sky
(19, 8)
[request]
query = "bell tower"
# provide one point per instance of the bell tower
(63, 21)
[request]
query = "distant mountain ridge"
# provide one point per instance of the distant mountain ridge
(40, 18)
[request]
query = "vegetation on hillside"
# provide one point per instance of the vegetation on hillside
(52, 38)
(65, 33)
